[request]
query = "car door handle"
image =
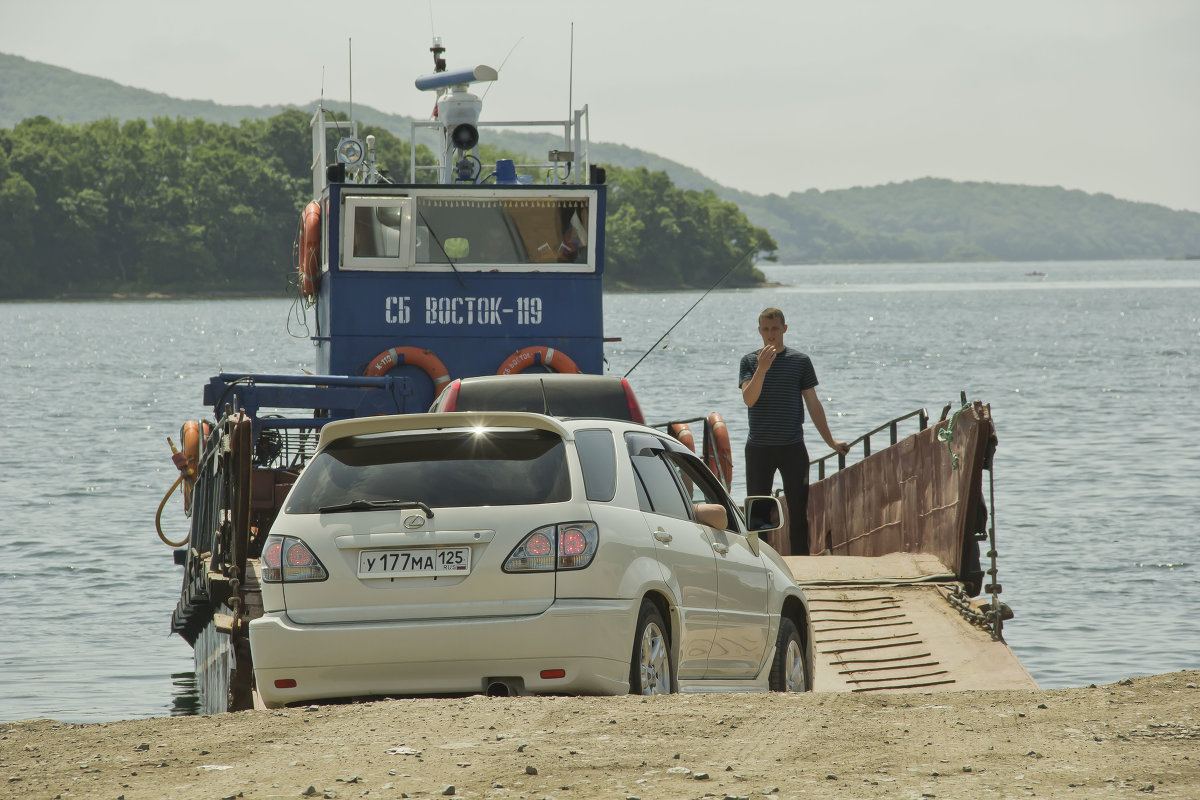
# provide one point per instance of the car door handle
(721, 548)
(663, 536)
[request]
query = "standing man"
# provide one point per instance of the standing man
(777, 382)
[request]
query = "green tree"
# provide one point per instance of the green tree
(662, 236)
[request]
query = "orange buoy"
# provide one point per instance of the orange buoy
(308, 264)
(417, 357)
(683, 433)
(556, 360)
(721, 461)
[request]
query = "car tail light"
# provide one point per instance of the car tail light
(568, 545)
(449, 399)
(635, 410)
(286, 559)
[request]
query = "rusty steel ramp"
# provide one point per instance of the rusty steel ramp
(902, 533)
(891, 624)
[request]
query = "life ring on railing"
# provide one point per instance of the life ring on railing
(189, 463)
(556, 360)
(720, 462)
(683, 433)
(417, 357)
(308, 258)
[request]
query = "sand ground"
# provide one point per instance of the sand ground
(1135, 738)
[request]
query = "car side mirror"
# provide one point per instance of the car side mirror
(763, 515)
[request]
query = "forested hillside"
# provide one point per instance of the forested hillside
(924, 219)
(940, 220)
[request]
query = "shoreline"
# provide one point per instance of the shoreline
(1124, 739)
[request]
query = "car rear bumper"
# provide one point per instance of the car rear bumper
(590, 640)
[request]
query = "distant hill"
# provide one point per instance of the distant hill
(928, 219)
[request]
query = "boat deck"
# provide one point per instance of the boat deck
(885, 624)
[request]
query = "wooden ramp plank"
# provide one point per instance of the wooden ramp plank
(876, 636)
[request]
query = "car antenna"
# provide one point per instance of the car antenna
(721, 279)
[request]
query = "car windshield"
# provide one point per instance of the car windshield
(442, 470)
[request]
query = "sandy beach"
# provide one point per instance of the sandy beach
(1127, 739)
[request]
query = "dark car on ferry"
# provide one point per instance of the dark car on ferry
(551, 393)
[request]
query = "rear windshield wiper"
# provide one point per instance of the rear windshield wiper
(376, 505)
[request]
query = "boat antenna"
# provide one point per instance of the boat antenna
(501, 67)
(720, 280)
(571, 75)
(350, 56)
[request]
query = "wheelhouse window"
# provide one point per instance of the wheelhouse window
(483, 230)
(377, 232)
(502, 231)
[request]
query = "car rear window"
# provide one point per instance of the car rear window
(577, 397)
(442, 470)
(603, 400)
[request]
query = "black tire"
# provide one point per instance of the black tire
(650, 665)
(789, 670)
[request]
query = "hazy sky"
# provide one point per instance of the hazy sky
(766, 96)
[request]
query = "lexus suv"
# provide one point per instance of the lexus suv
(513, 553)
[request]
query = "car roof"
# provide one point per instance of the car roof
(557, 394)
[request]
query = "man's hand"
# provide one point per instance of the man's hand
(766, 356)
(840, 446)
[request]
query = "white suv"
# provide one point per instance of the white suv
(513, 553)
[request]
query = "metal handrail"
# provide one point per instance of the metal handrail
(894, 435)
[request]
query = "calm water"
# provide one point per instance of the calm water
(1092, 373)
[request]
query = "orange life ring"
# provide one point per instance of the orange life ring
(720, 462)
(417, 357)
(189, 466)
(308, 264)
(683, 433)
(556, 360)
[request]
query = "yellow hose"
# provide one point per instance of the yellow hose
(158, 516)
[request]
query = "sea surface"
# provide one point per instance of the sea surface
(1092, 371)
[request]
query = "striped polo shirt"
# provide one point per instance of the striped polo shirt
(777, 417)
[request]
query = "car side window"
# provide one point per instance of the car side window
(598, 459)
(699, 482)
(661, 491)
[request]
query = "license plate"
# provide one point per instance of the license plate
(414, 562)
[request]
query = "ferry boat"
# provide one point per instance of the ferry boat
(471, 270)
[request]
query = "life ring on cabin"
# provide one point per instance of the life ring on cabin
(308, 256)
(683, 433)
(526, 357)
(417, 357)
(720, 462)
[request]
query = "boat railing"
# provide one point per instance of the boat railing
(575, 149)
(893, 429)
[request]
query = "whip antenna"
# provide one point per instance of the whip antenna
(736, 264)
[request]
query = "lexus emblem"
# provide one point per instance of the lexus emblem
(413, 522)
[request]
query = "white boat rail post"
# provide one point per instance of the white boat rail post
(583, 147)
(350, 151)
(318, 146)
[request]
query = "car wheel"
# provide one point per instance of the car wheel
(789, 672)
(650, 667)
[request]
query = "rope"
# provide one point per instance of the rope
(947, 433)
(158, 516)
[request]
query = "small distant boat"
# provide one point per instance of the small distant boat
(1035, 274)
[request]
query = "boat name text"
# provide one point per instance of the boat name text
(465, 310)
